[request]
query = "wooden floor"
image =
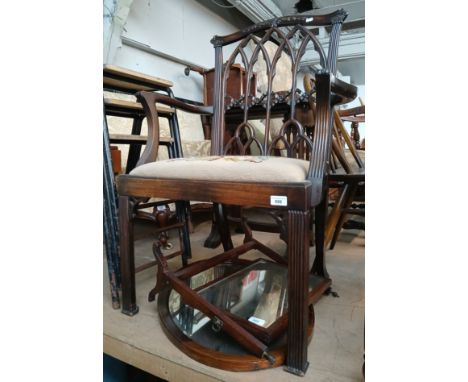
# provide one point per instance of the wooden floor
(335, 352)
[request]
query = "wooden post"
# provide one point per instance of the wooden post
(298, 291)
(127, 256)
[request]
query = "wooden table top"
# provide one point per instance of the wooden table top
(352, 112)
(134, 106)
(358, 118)
(129, 138)
(116, 77)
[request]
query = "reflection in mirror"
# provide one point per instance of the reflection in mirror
(257, 293)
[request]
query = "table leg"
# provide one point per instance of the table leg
(127, 256)
(110, 221)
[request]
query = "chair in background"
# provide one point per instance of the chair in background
(295, 181)
(119, 85)
(351, 198)
(346, 175)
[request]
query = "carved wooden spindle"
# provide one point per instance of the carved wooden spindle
(355, 136)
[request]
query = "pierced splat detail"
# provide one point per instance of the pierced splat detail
(249, 48)
(241, 142)
(296, 143)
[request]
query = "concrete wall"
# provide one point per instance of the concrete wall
(181, 28)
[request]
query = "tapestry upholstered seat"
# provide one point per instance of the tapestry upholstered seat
(228, 168)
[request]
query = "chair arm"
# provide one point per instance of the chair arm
(149, 100)
(342, 91)
(152, 98)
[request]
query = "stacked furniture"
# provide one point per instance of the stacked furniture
(351, 181)
(118, 80)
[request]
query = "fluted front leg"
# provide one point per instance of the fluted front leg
(127, 256)
(298, 287)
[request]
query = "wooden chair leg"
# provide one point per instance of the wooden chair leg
(182, 217)
(110, 242)
(348, 200)
(318, 267)
(223, 226)
(127, 256)
(298, 287)
(213, 240)
(334, 215)
(110, 220)
(190, 218)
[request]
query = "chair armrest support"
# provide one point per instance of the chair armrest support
(149, 100)
(342, 92)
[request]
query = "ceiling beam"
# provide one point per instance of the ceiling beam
(261, 10)
(257, 10)
(352, 45)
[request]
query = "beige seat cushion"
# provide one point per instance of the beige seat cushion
(228, 168)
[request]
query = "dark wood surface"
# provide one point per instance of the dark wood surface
(129, 138)
(116, 106)
(127, 81)
(236, 84)
(236, 193)
(130, 81)
(352, 182)
(351, 112)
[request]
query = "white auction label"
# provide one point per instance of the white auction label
(257, 321)
(276, 200)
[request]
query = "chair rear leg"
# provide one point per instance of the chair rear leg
(318, 267)
(127, 256)
(334, 216)
(346, 204)
(182, 217)
(223, 226)
(213, 240)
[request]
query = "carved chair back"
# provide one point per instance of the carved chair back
(291, 36)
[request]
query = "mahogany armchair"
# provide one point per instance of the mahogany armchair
(286, 181)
